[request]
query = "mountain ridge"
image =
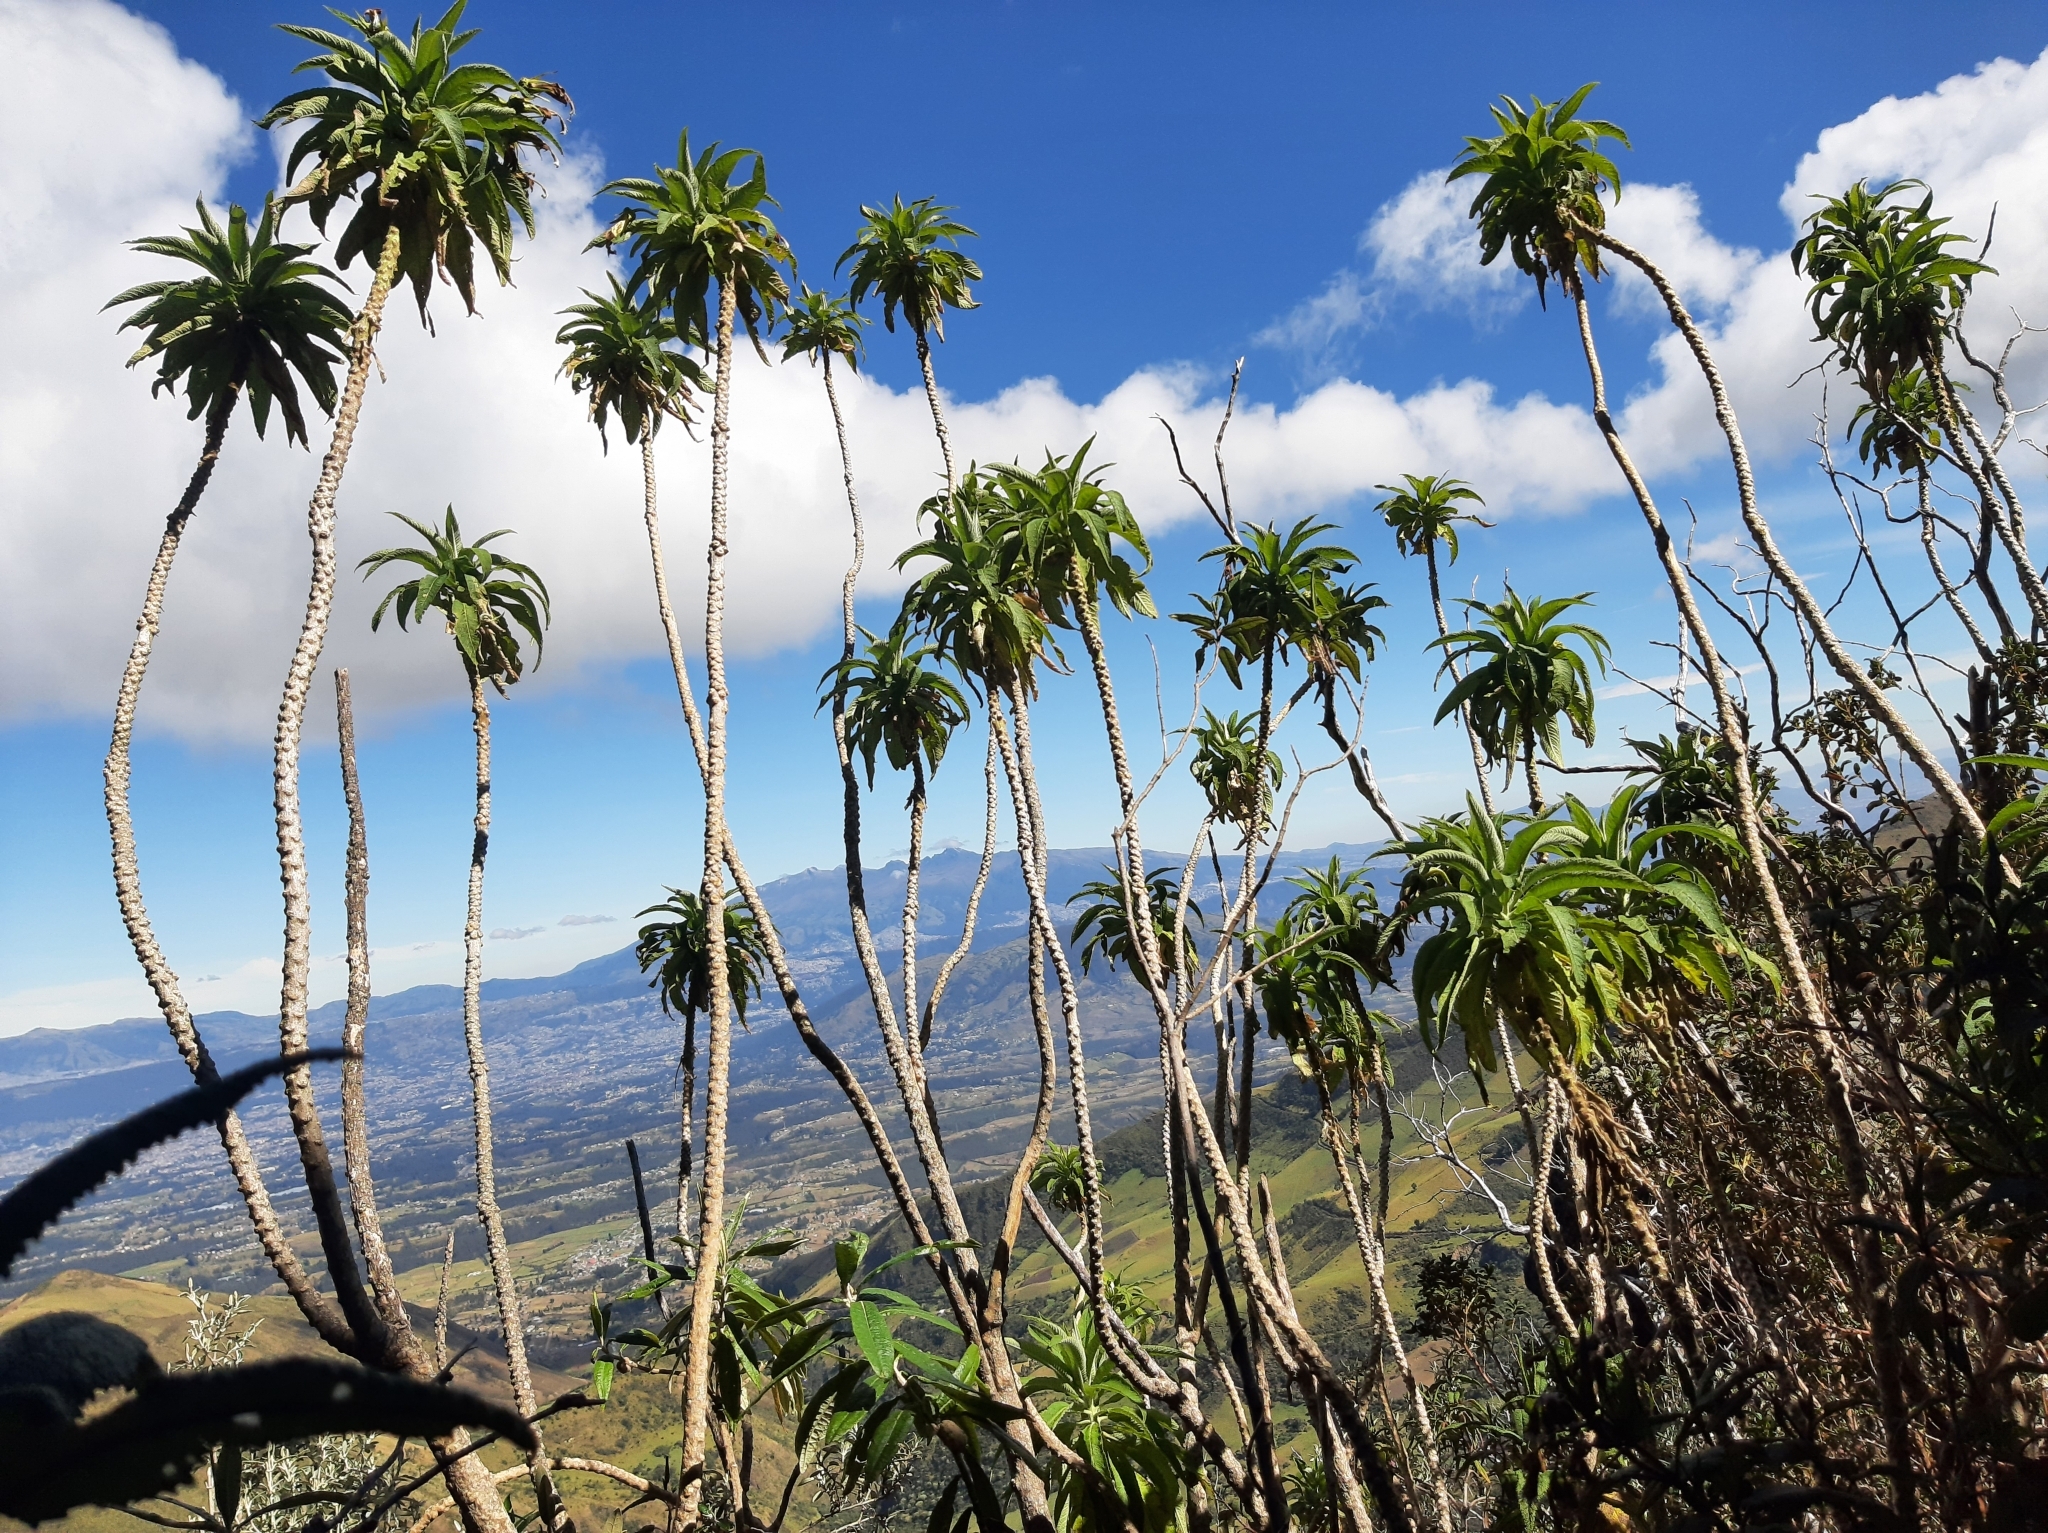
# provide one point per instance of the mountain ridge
(580, 1062)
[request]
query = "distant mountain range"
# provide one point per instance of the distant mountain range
(581, 1061)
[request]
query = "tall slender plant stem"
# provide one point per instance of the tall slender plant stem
(1018, 766)
(686, 1125)
(504, 1280)
(913, 871)
(898, 1043)
(363, 1320)
(1309, 1353)
(651, 515)
(1443, 631)
(718, 1008)
(1829, 1052)
(325, 1317)
(972, 916)
(355, 1125)
(1372, 1254)
(1844, 663)
(905, 1050)
(1984, 470)
(1041, 1027)
(1949, 593)
(469, 1481)
(931, 395)
(1812, 1011)
(778, 960)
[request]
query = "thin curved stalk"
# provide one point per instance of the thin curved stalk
(1359, 763)
(912, 873)
(686, 1125)
(931, 394)
(1373, 1256)
(764, 922)
(2011, 528)
(1443, 631)
(900, 1047)
(1949, 593)
(1843, 662)
(907, 1205)
(355, 1127)
(651, 515)
(469, 1481)
(320, 1311)
(895, 1046)
(1048, 1060)
(718, 1008)
(1545, 1152)
(1308, 1352)
(906, 1048)
(1257, 1408)
(969, 920)
(504, 1280)
(364, 1322)
(1335, 1457)
(1749, 822)
(1032, 858)
(1829, 1054)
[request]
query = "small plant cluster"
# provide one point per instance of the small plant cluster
(1776, 1160)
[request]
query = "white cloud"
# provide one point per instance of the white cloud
(1422, 244)
(585, 920)
(1667, 219)
(476, 417)
(1346, 304)
(1423, 255)
(1980, 140)
(89, 462)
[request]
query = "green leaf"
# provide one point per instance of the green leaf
(847, 1255)
(871, 1333)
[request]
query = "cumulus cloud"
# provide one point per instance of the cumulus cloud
(1980, 140)
(1421, 243)
(1667, 219)
(477, 417)
(515, 933)
(1423, 256)
(585, 920)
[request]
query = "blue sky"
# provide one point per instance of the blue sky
(1158, 191)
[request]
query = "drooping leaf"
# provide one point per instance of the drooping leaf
(43, 1195)
(149, 1444)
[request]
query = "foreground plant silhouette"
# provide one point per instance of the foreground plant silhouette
(54, 1457)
